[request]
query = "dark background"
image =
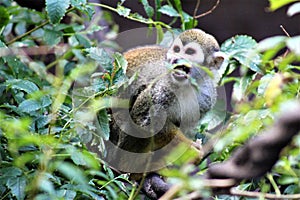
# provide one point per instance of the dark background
(230, 18)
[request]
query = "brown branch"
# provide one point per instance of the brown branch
(259, 155)
(209, 11)
(196, 9)
(237, 192)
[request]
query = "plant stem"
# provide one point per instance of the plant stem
(28, 32)
(131, 17)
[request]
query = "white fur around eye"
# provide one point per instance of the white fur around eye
(176, 50)
(193, 52)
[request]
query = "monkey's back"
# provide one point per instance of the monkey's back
(141, 56)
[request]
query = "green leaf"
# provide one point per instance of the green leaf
(103, 124)
(122, 11)
(56, 9)
(101, 56)
(29, 106)
(21, 28)
(178, 6)
(52, 37)
(270, 43)
(149, 10)
(72, 172)
(169, 10)
(240, 48)
(275, 4)
(294, 45)
(216, 115)
(239, 88)
(120, 61)
(293, 9)
(4, 17)
(83, 41)
(24, 85)
(10, 172)
(78, 3)
(17, 186)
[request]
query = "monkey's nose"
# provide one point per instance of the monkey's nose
(174, 61)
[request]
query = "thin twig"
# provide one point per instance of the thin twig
(208, 12)
(196, 10)
(34, 29)
(284, 30)
(288, 35)
(27, 33)
(237, 192)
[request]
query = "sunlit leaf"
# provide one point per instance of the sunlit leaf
(273, 89)
(294, 44)
(123, 11)
(294, 9)
(169, 10)
(241, 48)
(275, 4)
(270, 43)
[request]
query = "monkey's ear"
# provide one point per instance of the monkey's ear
(218, 59)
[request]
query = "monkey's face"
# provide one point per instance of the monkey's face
(192, 50)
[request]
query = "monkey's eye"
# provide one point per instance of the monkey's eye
(190, 51)
(176, 49)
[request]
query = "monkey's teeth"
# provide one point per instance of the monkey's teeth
(183, 68)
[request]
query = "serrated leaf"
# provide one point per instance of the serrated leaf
(101, 56)
(17, 186)
(169, 10)
(241, 48)
(122, 11)
(56, 9)
(29, 106)
(275, 4)
(237, 43)
(148, 9)
(293, 9)
(24, 85)
(103, 124)
(4, 17)
(78, 3)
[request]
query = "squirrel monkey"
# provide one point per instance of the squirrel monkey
(169, 96)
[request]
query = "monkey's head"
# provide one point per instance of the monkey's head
(197, 47)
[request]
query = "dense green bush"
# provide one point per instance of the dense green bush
(42, 152)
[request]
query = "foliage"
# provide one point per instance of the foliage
(42, 149)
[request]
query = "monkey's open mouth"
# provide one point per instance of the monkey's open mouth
(181, 72)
